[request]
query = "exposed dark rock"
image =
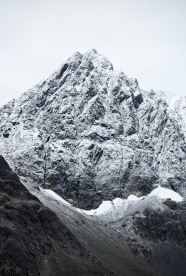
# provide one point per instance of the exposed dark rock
(33, 239)
(161, 226)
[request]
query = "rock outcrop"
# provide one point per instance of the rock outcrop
(89, 133)
(157, 234)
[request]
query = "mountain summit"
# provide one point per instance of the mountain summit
(90, 134)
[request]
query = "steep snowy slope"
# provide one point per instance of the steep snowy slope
(87, 133)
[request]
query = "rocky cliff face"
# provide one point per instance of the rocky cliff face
(89, 133)
(162, 120)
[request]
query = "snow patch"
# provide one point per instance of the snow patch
(103, 208)
(166, 193)
(117, 204)
(133, 197)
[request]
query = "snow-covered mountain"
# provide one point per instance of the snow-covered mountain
(89, 133)
(109, 159)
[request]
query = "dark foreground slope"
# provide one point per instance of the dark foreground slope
(33, 240)
(147, 239)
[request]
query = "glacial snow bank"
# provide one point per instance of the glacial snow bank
(118, 208)
(118, 203)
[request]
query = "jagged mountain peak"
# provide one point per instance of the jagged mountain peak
(89, 60)
(89, 133)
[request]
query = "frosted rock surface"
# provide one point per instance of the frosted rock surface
(88, 133)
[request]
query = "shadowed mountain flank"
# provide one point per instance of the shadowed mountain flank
(34, 241)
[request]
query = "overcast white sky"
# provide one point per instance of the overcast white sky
(145, 38)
